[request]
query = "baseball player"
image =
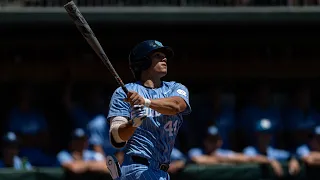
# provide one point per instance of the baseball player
(146, 121)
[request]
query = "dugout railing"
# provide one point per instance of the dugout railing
(191, 172)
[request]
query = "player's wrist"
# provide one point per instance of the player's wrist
(147, 102)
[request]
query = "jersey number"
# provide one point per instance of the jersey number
(171, 129)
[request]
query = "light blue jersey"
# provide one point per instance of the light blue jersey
(271, 153)
(155, 138)
(18, 164)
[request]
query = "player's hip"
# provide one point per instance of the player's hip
(138, 162)
(142, 172)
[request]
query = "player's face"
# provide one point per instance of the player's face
(10, 151)
(212, 143)
(79, 144)
(159, 64)
(315, 143)
(264, 140)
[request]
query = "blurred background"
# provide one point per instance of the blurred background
(251, 66)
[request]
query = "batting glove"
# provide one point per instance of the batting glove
(138, 114)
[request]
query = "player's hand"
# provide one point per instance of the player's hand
(138, 114)
(277, 168)
(134, 98)
(176, 166)
(294, 167)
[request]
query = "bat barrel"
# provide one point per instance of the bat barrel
(90, 37)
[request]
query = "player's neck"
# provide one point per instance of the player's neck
(150, 82)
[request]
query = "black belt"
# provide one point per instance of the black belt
(144, 161)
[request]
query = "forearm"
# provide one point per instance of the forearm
(97, 166)
(76, 167)
(259, 159)
(126, 131)
(168, 106)
(99, 149)
(206, 160)
(312, 159)
(315, 156)
(234, 159)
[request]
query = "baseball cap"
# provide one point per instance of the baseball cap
(316, 130)
(213, 130)
(78, 133)
(264, 125)
(10, 138)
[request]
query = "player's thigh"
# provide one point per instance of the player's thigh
(141, 172)
(154, 175)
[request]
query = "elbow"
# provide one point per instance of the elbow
(176, 107)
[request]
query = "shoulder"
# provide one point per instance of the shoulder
(173, 84)
(177, 88)
(176, 151)
(195, 152)
(249, 149)
(130, 86)
(63, 153)
(279, 151)
(226, 151)
(93, 154)
(303, 147)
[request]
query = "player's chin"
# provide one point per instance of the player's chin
(163, 73)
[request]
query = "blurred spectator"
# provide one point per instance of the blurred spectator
(178, 161)
(262, 150)
(310, 151)
(30, 125)
(299, 118)
(212, 153)
(10, 151)
(91, 117)
(223, 117)
(215, 111)
(78, 159)
(259, 109)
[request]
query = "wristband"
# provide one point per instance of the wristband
(147, 102)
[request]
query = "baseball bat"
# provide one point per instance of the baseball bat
(90, 37)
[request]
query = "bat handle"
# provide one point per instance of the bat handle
(124, 88)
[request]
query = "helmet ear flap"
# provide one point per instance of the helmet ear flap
(146, 63)
(139, 66)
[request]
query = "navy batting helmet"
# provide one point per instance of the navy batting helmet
(139, 56)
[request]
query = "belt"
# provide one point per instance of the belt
(144, 161)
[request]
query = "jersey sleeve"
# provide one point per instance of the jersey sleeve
(177, 155)
(195, 152)
(28, 166)
(98, 156)
(250, 151)
(117, 106)
(182, 91)
(97, 129)
(64, 157)
(303, 151)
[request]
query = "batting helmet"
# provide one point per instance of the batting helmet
(139, 56)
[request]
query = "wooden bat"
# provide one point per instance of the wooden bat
(88, 34)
